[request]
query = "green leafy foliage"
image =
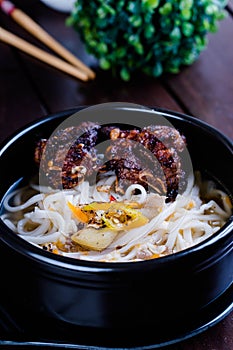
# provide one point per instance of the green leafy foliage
(152, 36)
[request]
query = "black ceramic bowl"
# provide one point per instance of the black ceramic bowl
(151, 302)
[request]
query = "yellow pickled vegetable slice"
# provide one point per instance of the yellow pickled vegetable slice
(94, 239)
(124, 219)
(94, 206)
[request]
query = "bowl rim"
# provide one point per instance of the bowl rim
(32, 252)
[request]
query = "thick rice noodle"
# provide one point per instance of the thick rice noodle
(45, 219)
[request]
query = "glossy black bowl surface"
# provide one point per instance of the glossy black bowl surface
(118, 296)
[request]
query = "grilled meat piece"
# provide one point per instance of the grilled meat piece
(169, 136)
(148, 156)
(123, 156)
(141, 157)
(68, 155)
(166, 144)
(112, 132)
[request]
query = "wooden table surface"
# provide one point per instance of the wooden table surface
(29, 89)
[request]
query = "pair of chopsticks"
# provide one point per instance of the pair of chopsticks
(72, 65)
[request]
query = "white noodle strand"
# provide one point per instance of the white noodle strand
(172, 227)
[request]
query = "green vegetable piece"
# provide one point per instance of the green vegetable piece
(166, 9)
(149, 31)
(175, 34)
(151, 4)
(136, 21)
(104, 64)
(102, 48)
(186, 13)
(186, 4)
(101, 13)
(187, 28)
(211, 9)
(157, 70)
(120, 52)
(132, 6)
(125, 75)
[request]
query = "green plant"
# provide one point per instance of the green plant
(153, 36)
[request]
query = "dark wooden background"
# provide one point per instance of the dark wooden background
(30, 89)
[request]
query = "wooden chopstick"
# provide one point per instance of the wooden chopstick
(12, 39)
(36, 30)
